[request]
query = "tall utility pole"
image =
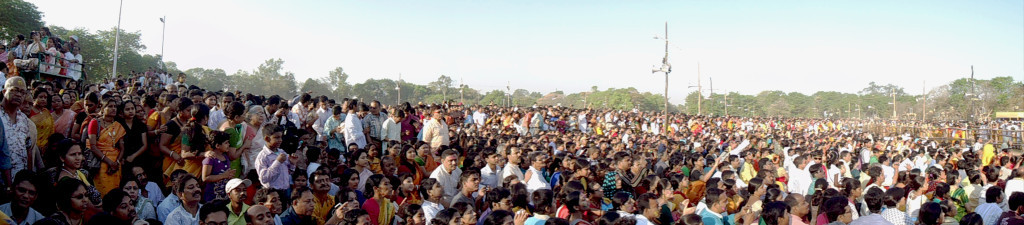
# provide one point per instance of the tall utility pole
(894, 103)
(924, 102)
(163, 35)
(974, 93)
(462, 87)
(508, 88)
(398, 86)
(665, 68)
(699, 95)
(117, 38)
(711, 91)
(726, 103)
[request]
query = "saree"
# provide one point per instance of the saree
(63, 123)
(237, 135)
(194, 165)
(380, 214)
(44, 127)
(107, 141)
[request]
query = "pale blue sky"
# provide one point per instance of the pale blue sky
(745, 46)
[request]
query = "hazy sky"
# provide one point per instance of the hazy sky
(745, 46)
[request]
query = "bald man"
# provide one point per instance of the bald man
(259, 215)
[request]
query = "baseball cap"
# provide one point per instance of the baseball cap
(235, 182)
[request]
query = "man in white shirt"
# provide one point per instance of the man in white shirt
(887, 171)
(989, 176)
(1015, 184)
(435, 130)
(801, 178)
(512, 166)
(448, 174)
(479, 117)
(990, 211)
(491, 173)
(301, 108)
(323, 112)
(217, 113)
(391, 130)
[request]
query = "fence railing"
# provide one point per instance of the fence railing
(1013, 138)
(59, 68)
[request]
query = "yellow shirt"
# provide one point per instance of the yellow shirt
(321, 208)
(747, 172)
(987, 153)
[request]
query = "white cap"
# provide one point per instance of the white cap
(235, 182)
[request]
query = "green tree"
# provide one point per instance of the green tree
(209, 79)
(442, 85)
(315, 87)
(337, 79)
(18, 17)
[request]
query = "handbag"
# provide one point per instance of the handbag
(92, 163)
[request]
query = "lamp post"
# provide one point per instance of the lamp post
(117, 38)
(163, 35)
(398, 86)
(665, 68)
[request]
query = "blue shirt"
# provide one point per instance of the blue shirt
(166, 207)
(712, 218)
(182, 217)
(5, 153)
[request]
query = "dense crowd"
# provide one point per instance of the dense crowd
(149, 149)
(43, 52)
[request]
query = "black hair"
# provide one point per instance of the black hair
(66, 188)
(263, 194)
(372, 182)
(113, 199)
(497, 217)
(930, 214)
(773, 211)
(543, 200)
(619, 199)
(496, 195)
(992, 194)
(893, 196)
(216, 206)
(971, 218)
(834, 207)
(874, 199)
(234, 109)
(425, 186)
(444, 216)
(297, 193)
(1016, 200)
(690, 219)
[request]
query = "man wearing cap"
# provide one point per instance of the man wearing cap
(236, 193)
(16, 129)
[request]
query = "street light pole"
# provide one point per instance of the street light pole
(665, 68)
(163, 35)
(117, 38)
(398, 86)
(894, 104)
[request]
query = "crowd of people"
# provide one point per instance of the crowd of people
(149, 149)
(41, 52)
